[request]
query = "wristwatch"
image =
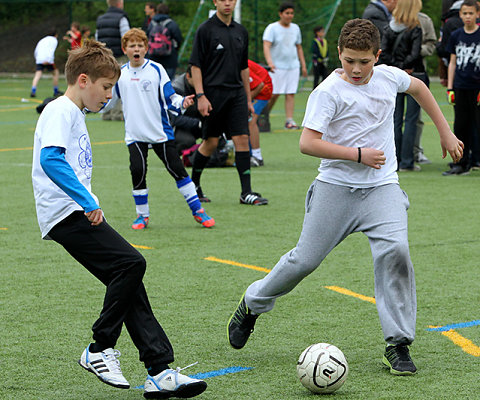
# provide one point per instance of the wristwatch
(198, 95)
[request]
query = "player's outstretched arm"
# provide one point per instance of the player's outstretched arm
(188, 101)
(448, 140)
(311, 143)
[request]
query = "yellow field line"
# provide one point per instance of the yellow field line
(20, 99)
(3, 229)
(350, 293)
(465, 344)
(109, 142)
(95, 143)
(18, 149)
(254, 267)
(138, 246)
(18, 109)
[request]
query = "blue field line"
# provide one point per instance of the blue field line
(455, 326)
(213, 374)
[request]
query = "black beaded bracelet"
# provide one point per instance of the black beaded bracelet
(359, 155)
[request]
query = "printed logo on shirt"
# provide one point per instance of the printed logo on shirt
(219, 46)
(468, 54)
(146, 85)
(85, 156)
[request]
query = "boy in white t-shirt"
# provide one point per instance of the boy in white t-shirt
(282, 48)
(349, 124)
(68, 213)
(147, 96)
(44, 54)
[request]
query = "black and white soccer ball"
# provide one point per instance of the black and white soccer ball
(322, 368)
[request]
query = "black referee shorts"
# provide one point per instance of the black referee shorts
(229, 113)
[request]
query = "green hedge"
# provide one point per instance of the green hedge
(23, 23)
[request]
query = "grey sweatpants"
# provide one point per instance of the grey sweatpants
(332, 212)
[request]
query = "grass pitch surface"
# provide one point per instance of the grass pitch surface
(48, 302)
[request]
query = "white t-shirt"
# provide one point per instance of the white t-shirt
(357, 116)
(284, 44)
(146, 93)
(61, 124)
(45, 50)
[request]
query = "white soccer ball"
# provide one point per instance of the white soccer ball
(322, 368)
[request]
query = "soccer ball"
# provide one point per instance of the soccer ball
(322, 368)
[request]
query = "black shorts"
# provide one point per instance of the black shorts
(229, 113)
(48, 67)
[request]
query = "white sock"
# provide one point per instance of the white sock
(187, 189)
(141, 202)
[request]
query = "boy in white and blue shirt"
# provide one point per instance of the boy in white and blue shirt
(147, 94)
(69, 213)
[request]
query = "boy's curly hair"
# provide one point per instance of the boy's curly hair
(134, 34)
(93, 59)
(359, 34)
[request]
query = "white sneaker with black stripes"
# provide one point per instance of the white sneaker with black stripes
(171, 383)
(105, 366)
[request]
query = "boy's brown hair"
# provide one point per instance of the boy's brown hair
(470, 3)
(359, 34)
(134, 34)
(93, 59)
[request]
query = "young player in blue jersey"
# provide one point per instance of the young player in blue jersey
(349, 125)
(69, 213)
(147, 94)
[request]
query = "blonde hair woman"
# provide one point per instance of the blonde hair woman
(401, 45)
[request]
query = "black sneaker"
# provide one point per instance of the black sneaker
(397, 358)
(240, 325)
(256, 162)
(201, 196)
(456, 170)
(255, 199)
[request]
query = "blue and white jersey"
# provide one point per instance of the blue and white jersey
(147, 95)
(61, 125)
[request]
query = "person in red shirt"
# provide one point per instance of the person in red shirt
(261, 90)
(74, 36)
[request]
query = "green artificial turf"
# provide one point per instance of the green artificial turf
(48, 302)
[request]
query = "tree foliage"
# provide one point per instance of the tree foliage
(23, 23)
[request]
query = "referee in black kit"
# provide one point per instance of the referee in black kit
(221, 79)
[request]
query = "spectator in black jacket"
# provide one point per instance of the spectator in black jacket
(451, 22)
(380, 13)
(188, 126)
(401, 47)
(111, 26)
(169, 62)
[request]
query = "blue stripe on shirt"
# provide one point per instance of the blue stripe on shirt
(167, 91)
(54, 164)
